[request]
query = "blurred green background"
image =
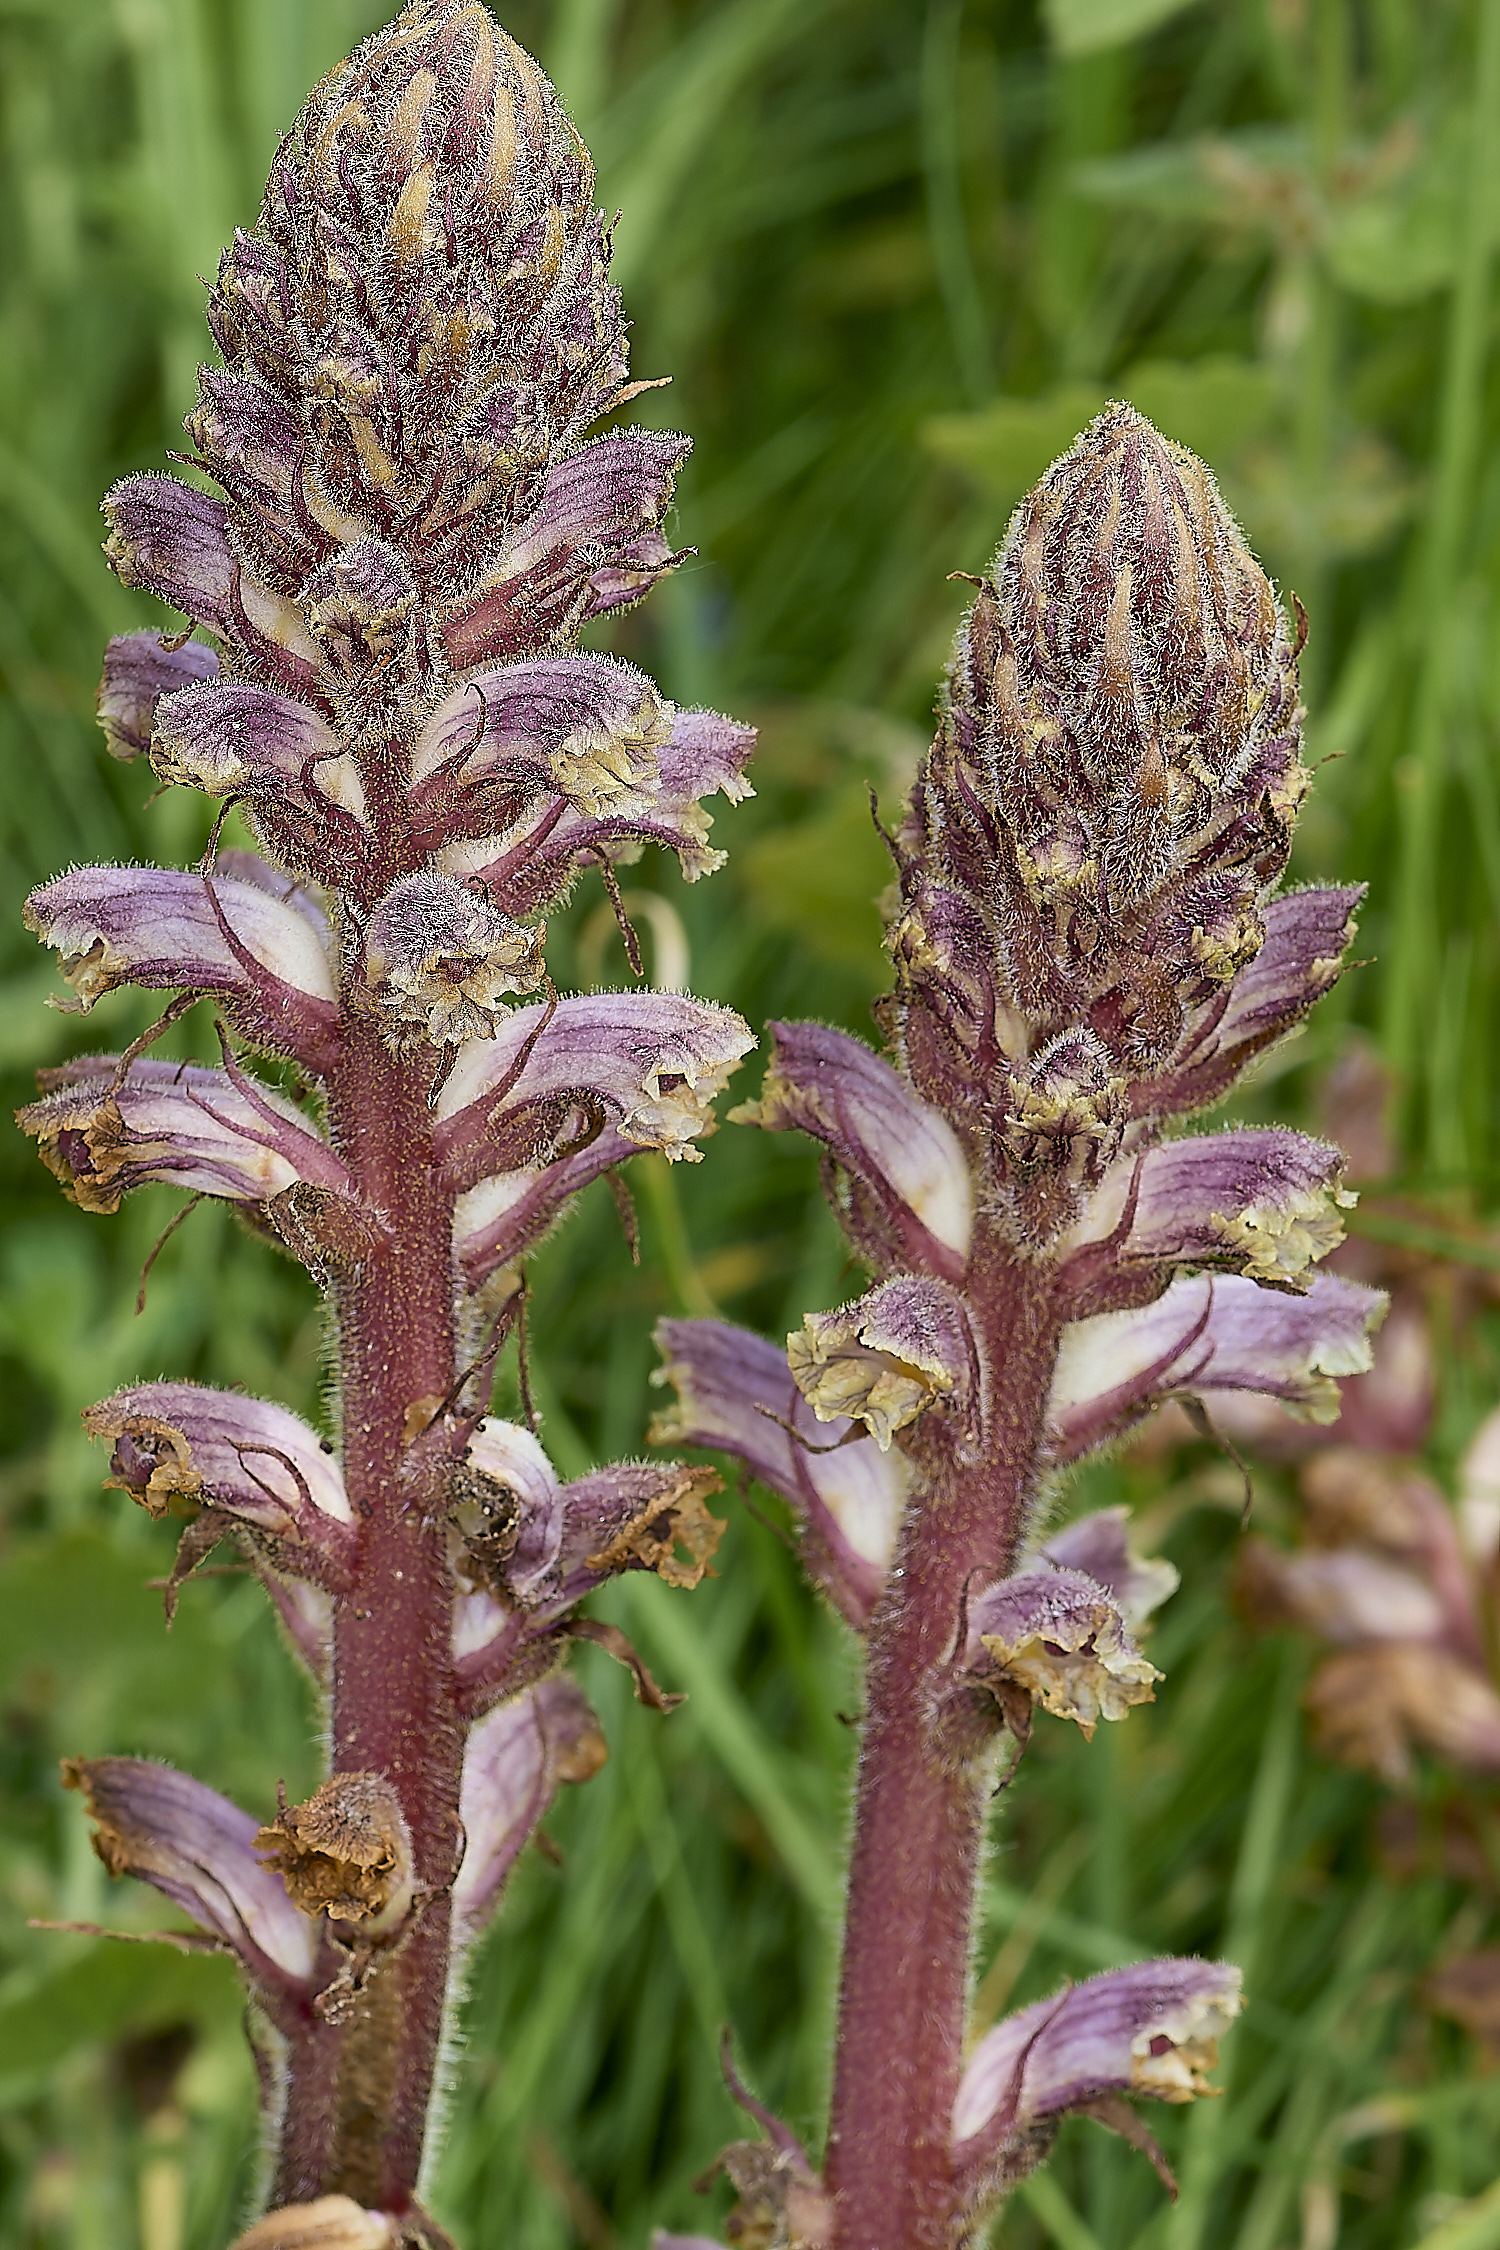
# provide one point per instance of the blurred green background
(892, 255)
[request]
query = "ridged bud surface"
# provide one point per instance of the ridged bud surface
(1111, 796)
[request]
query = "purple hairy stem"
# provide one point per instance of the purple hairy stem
(923, 1786)
(1088, 945)
(414, 527)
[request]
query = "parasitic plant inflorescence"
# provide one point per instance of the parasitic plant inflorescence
(1089, 945)
(407, 528)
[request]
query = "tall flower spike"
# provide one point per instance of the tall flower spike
(410, 524)
(1086, 946)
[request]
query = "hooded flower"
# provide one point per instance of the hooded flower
(194, 933)
(1057, 1634)
(198, 1849)
(736, 1394)
(885, 1359)
(213, 1132)
(561, 1094)
(1150, 2029)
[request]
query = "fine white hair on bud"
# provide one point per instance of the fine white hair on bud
(441, 959)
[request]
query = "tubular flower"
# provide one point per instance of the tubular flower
(411, 519)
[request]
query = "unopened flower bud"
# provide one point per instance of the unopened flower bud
(1115, 783)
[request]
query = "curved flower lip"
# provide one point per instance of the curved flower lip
(193, 1128)
(536, 1549)
(165, 928)
(1148, 2029)
(735, 1393)
(138, 671)
(886, 1358)
(900, 1151)
(1300, 958)
(590, 546)
(526, 773)
(648, 1064)
(702, 757)
(1258, 1200)
(181, 1445)
(1098, 1544)
(1207, 1334)
(1059, 1635)
(586, 728)
(198, 1849)
(174, 540)
(229, 738)
(440, 959)
(516, 1757)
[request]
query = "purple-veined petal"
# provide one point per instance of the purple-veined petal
(1207, 1334)
(516, 1758)
(168, 929)
(1260, 1200)
(591, 545)
(1099, 1546)
(638, 1515)
(234, 740)
(176, 1122)
(180, 1445)
(264, 875)
(138, 671)
(174, 540)
(534, 860)
(305, 1612)
(735, 1393)
(198, 1849)
(886, 1358)
(588, 729)
(498, 1219)
(1058, 1634)
(1152, 2029)
(907, 1170)
(647, 1064)
(1300, 958)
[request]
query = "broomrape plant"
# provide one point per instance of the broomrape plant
(411, 526)
(1087, 947)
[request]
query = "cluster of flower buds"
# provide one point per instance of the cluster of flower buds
(1088, 945)
(408, 526)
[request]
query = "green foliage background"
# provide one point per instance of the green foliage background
(893, 255)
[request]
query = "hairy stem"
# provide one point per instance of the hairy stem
(920, 1805)
(357, 2113)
